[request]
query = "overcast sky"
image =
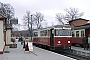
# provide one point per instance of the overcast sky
(48, 7)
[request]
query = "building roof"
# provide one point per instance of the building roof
(85, 26)
(77, 19)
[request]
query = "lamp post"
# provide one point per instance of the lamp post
(31, 28)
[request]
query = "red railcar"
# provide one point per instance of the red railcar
(55, 38)
(78, 33)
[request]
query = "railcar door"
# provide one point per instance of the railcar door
(52, 38)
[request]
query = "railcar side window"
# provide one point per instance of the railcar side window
(82, 33)
(52, 31)
(69, 32)
(35, 33)
(56, 32)
(45, 32)
(72, 34)
(41, 33)
(77, 33)
(48, 32)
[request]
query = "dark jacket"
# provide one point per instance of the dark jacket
(21, 39)
(84, 40)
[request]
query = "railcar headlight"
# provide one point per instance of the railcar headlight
(68, 41)
(59, 42)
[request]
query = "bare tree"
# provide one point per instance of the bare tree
(38, 18)
(7, 10)
(71, 14)
(60, 17)
(45, 23)
(26, 20)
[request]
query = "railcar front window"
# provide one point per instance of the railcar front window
(64, 32)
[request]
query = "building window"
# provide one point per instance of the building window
(82, 33)
(77, 33)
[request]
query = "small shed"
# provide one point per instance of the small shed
(8, 35)
(2, 33)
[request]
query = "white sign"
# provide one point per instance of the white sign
(30, 45)
(89, 39)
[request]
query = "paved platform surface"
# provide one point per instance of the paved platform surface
(39, 54)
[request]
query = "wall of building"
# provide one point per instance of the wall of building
(2, 43)
(8, 37)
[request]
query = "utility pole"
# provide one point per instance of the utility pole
(28, 23)
(28, 14)
(31, 28)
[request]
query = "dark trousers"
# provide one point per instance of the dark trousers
(89, 46)
(21, 42)
(85, 46)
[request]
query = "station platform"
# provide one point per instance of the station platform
(80, 51)
(38, 54)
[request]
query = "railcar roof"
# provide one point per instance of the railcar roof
(56, 26)
(60, 26)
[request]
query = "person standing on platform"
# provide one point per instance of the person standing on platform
(89, 41)
(16, 40)
(89, 46)
(21, 40)
(85, 43)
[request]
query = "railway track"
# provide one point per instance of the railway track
(70, 54)
(76, 56)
